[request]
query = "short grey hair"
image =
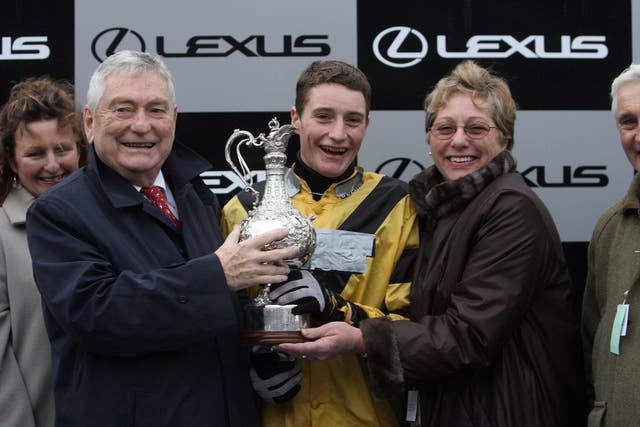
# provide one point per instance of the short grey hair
(130, 62)
(630, 74)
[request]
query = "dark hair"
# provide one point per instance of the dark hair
(338, 72)
(484, 87)
(32, 100)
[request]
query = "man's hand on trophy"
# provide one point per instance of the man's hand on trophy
(275, 375)
(310, 296)
(247, 264)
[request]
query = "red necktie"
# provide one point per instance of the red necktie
(155, 194)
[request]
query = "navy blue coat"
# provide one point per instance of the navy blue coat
(143, 328)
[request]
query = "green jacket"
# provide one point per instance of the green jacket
(614, 268)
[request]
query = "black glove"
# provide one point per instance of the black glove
(275, 375)
(304, 290)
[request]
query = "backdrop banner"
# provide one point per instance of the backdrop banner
(235, 64)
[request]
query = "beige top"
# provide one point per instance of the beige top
(26, 393)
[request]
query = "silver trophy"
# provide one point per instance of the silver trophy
(267, 322)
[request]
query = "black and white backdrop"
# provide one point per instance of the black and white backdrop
(235, 64)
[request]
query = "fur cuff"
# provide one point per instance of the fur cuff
(383, 357)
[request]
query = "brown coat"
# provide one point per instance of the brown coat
(493, 339)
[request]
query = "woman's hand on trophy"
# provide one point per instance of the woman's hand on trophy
(275, 375)
(326, 341)
(247, 264)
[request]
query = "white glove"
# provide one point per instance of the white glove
(305, 291)
(275, 375)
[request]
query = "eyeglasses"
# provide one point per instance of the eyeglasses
(473, 131)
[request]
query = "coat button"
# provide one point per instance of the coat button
(182, 299)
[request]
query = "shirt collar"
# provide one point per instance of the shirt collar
(159, 181)
(342, 190)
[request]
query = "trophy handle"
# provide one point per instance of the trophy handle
(244, 170)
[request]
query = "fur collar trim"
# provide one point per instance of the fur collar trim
(434, 197)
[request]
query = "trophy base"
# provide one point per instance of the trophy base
(274, 324)
(273, 337)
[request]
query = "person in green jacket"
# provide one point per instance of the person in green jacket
(611, 304)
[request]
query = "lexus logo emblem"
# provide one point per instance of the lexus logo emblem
(400, 168)
(112, 39)
(396, 47)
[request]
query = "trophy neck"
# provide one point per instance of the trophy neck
(274, 191)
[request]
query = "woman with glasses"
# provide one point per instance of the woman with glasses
(493, 335)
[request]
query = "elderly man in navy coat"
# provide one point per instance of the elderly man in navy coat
(140, 292)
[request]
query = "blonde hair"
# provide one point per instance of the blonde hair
(487, 90)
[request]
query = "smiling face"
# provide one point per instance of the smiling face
(461, 155)
(45, 154)
(627, 118)
(133, 125)
(331, 127)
